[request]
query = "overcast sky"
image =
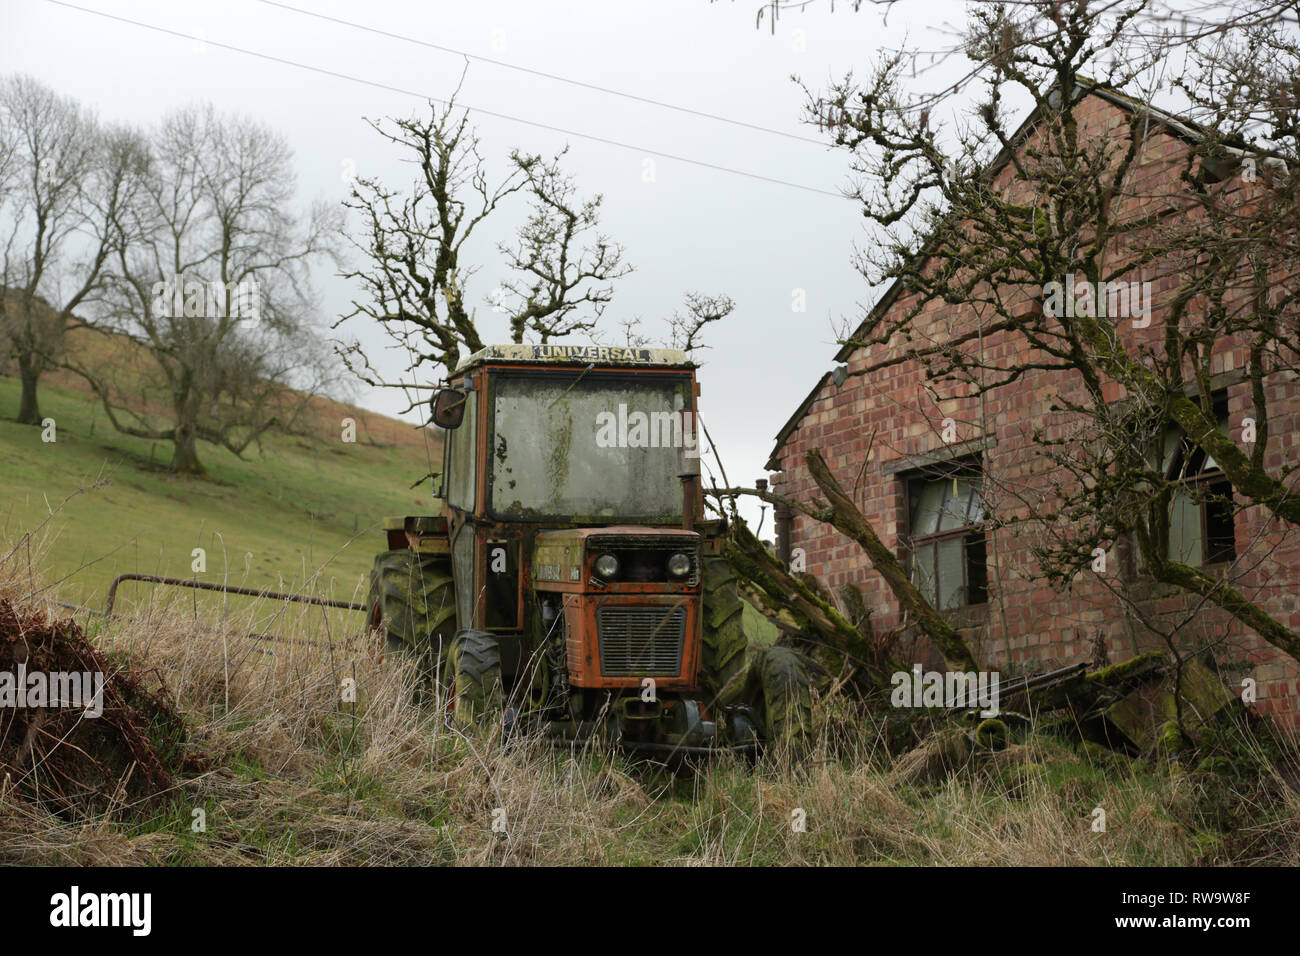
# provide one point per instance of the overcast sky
(690, 228)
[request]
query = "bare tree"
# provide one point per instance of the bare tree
(1139, 416)
(685, 326)
(698, 311)
(212, 284)
(562, 267)
(70, 181)
(1168, 26)
(557, 278)
(414, 280)
(9, 145)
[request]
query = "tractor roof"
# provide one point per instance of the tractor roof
(603, 355)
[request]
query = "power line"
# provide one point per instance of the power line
(424, 96)
(542, 73)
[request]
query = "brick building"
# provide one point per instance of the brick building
(922, 489)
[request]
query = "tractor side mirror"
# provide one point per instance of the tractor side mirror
(448, 408)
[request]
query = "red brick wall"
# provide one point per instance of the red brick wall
(891, 410)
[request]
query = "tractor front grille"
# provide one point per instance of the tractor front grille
(641, 640)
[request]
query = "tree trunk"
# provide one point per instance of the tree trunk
(185, 452)
(29, 412)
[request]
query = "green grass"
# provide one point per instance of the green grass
(297, 508)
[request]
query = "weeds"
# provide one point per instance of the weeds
(300, 775)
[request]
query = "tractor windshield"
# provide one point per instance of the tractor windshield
(571, 444)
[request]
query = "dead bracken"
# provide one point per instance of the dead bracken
(126, 758)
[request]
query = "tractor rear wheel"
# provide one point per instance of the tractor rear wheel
(724, 641)
(473, 677)
(785, 683)
(777, 680)
(413, 603)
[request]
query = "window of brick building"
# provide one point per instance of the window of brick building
(1201, 514)
(947, 545)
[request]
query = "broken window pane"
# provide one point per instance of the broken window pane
(923, 570)
(1220, 537)
(952, 581)
(1210, 464)
(1200, 527)
(926, 505)
(1170, 446)
(977, 578)
(975, 505)
(958, 496)
(1185, 543)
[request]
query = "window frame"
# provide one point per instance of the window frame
(970, 468)
(463, 496)
(677, 376)
(1198, 482)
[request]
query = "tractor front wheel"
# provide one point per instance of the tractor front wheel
(473, 677)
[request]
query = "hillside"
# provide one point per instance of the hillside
(100, 503)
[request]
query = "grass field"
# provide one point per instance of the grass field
(301, 777)
(99, 503)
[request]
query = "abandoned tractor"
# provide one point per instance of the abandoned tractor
(572, 583)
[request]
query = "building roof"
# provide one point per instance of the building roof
(793, 421)
(1182, 128)
(1185, 129)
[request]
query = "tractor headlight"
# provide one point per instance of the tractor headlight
(606, 567)
(679, 565)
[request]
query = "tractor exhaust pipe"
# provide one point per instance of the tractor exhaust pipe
(689, 484)
(688, 470)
